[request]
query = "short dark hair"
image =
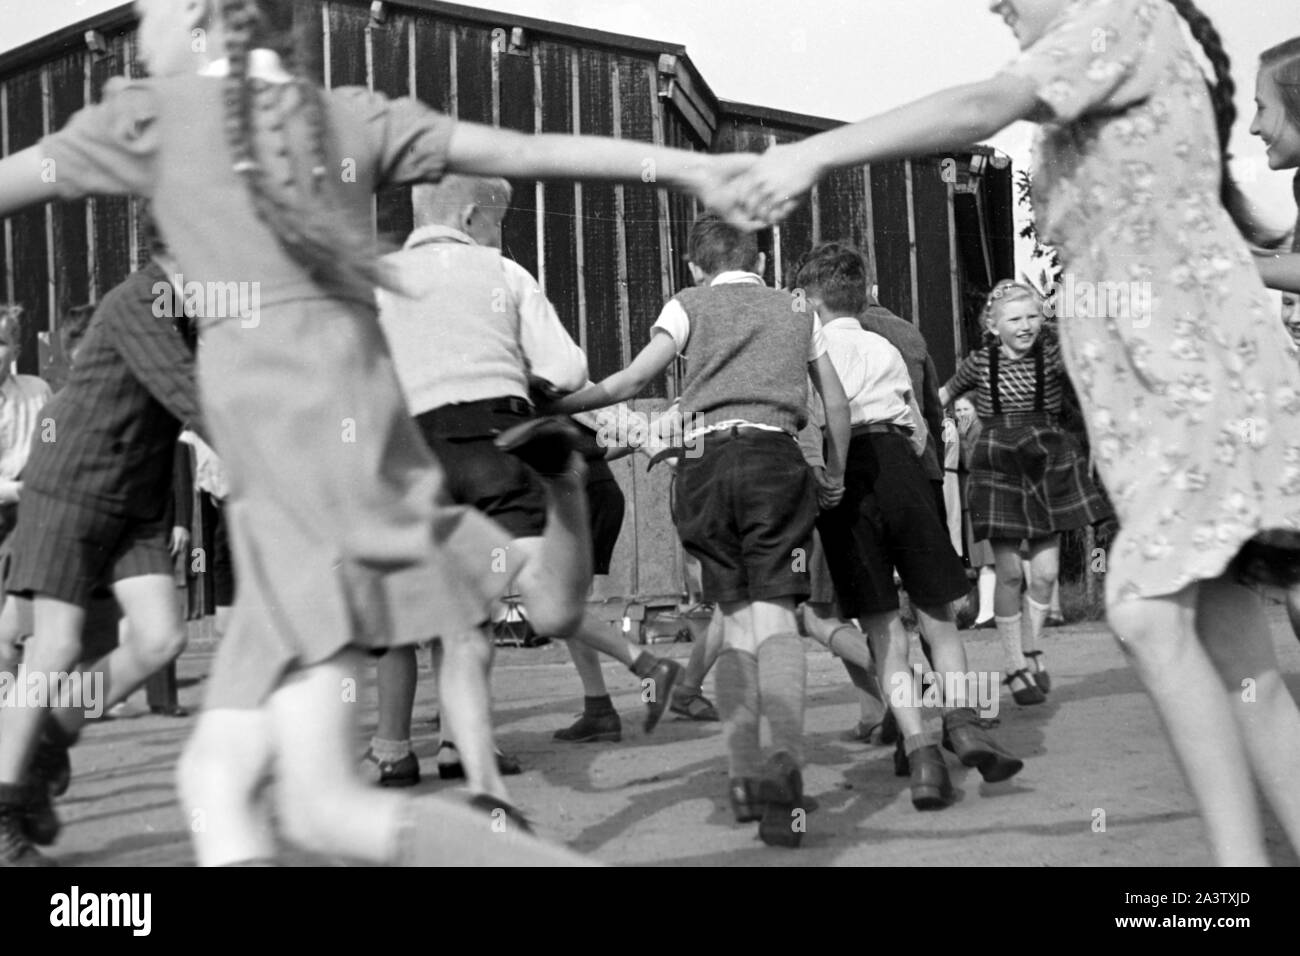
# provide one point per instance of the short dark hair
(836, 273)
(716, 246)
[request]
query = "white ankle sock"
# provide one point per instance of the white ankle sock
(1009, 634)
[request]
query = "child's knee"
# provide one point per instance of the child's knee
(1011, 575)
(556, 618)
(159, 644)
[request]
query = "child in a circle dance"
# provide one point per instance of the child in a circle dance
(340, 526)
(1028, 479)
(1190, 405)
(1277, 123)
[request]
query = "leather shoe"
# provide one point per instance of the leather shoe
(974, 747)
(931, 786)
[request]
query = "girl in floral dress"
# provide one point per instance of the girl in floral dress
(1190, 386)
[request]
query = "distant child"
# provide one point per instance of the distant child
(1189, 403)
(340, 526)
(1028, 477)
(746, 504)
(979, 554)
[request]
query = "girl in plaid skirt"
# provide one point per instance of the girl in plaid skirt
(1028, 479)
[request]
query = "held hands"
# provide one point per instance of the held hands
(768, 190)
(830, 491)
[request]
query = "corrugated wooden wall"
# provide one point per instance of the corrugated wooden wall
(607, 256)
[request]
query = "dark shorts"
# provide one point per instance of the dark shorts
(1029, 479)
(63, 550)
(487, 479)
(888, 520)
(606, 503)
(746, 509)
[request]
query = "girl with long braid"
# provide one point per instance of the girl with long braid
(339, 522)
(1189, 384)
(1277, 123)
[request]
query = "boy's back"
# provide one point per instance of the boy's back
(747, 354)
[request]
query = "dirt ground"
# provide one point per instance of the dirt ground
(660, 799)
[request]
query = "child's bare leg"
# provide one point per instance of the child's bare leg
(1044, 571)
(1159, 637)
(396, 674)
(220, 776)
(464, 661)
(889, 645)
(326, 808)
(15, 624)
(152, 613)
(843, 639)
(1230, 620)
(587, 662)
(53, 649)
(556, 567)
(324, 805)
(704, 654)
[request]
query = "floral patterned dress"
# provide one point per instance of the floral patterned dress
(1189, 383)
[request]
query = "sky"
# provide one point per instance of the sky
(843, 59)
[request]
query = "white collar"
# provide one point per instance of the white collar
(437, 233)
(842, 321)
(736, 275)
(262, 65)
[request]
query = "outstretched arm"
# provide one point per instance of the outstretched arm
(1279, 271)
(488, 151)
(954, 118)
(24, 181)
(626, 384)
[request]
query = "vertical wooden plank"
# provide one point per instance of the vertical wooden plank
(839, 205)
(869, 223)
(893, 260)
(560, 225)
(473, 74)
(516, 109)
(933, 261)
(433, 79)
(641, 208)
(347, 44)
(620, 224)
(390, 72)
(70, 230)
(599, 230)
(28, 238)
(908, 178)
(954, 274)
(112, 232)
(309, 39)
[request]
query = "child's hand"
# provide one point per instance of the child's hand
(776, 184)
(715, 186)
(830, 492)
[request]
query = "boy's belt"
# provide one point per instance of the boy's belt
(475, 419)
(880, 428)
(733, 431)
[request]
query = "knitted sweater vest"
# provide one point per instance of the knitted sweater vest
(747, 356)
(456, 339)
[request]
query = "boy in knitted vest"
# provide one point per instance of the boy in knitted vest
(746, 502)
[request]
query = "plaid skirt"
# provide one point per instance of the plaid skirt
(1028, 479)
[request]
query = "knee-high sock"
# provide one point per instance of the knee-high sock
(1009, 633)
(1031, 630)
(987, 585)
(781, 676)
(737, 683)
